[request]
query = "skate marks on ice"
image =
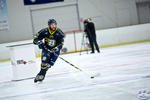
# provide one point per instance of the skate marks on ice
(76, 86)
(123, 73)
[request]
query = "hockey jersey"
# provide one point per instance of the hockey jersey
(50, 39)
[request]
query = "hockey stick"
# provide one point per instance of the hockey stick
(69, 63)
(93, 76)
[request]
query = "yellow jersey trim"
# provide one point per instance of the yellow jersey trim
(51, 32)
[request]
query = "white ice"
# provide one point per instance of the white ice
(124, 72)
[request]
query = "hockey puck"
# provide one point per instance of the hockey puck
(92, 77)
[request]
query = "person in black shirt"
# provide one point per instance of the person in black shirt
(89, 29)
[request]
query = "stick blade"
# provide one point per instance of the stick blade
(96, 74)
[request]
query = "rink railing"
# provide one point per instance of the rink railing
(105, 38)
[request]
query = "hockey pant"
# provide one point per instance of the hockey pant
(48, 60)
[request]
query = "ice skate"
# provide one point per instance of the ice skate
(39, 78)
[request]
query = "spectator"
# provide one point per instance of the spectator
(89, 29)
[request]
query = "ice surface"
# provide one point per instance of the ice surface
(124, 71)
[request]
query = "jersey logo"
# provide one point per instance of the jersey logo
(51, 42)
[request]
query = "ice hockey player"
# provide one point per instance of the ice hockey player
(50, 40)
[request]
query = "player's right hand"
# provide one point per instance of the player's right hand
(42, 46)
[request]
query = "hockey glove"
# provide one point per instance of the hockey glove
(41, 45)
(55, 49)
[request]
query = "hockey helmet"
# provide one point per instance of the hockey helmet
(50, 21)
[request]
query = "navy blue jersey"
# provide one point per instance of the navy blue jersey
(51, 39)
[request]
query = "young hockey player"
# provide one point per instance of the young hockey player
(50, 40)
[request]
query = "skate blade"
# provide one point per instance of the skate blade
(38, 82)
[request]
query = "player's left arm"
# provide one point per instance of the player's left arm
(61, 36)
(61, 41)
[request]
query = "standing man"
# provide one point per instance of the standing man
(50, 40)
(89, 29)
